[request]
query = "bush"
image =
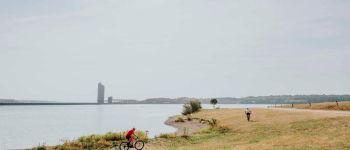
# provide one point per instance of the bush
(191, 107)
(187, 109)
(196, 105)
(166, 135)
(102, 141)
(222, 129)
(213, 123)
(179, 119)
(40, 147)
(189, 118)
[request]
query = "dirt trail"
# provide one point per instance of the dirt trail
(318, 112)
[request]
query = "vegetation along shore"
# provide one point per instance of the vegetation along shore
(226, 129)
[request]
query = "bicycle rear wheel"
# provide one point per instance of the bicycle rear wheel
(139, 145)
(124, 146)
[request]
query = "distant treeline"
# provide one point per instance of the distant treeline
(292, 99)
(278, 99)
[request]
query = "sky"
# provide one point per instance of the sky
(60, 49)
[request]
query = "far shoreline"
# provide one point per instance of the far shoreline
(46, 104)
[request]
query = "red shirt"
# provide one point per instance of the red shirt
(130, 132)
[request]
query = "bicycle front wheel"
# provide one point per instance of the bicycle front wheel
(124, 146)
(139, 145)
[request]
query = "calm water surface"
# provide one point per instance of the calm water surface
(27, 126)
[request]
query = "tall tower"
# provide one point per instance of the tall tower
(110, 100)
(100, 93)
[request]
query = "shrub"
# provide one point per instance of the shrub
(103, 143)
(191, 107)
(201, 120)
(189, 118)
(212, 123)
(92, 141)
(222, 129)
(166, 135)
(185, 136)
(195, 105)
(40, 147)
(110, 136)
(187, 109)
(179, 119)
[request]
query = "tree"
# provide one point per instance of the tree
(195, 105)
(213, 102)
(187, 109)
(191, 107)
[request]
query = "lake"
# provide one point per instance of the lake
(27, 126)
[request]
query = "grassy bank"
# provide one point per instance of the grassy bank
(97, 141)
(344, 105)
(269, 129)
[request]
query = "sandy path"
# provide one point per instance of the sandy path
(318, 112)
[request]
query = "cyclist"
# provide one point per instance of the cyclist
(130, 136)
(248, 112)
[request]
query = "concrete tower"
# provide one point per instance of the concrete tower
(100, 93)
(110, 100)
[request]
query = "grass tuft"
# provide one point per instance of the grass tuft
(344, 105)
(95, 141)
(166, 136)
(179, 119)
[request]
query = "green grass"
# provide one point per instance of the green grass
(269, 129)
(179, 119)
(96, 141)
(176, 141)
(166, 135)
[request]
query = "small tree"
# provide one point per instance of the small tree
(191, 107)
(187, 109)
(195, 105)
(213, 102)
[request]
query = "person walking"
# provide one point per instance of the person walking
(248, 112)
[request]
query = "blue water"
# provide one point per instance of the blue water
(28, 126)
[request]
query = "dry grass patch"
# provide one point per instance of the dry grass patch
(269, 129)
(345, 105)
(96, 141)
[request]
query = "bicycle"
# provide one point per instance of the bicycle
(137, 144)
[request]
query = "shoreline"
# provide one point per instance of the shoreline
(238, 129)
(186, 127)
